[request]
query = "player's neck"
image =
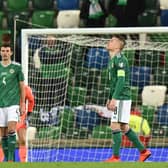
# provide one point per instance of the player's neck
(113, 53)
(6, 62)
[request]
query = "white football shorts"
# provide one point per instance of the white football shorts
(122, 112)
(8, 114)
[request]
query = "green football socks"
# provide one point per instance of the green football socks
(117, 136)
(132, 136)
(11, 146)
(5, 146)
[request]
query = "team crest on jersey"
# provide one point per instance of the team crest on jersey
(121, 64)
(11, 71)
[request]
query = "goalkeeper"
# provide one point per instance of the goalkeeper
(119, 102)
(22, 125)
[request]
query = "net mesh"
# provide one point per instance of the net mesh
(69, 76)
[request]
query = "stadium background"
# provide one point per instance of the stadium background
(26, 11)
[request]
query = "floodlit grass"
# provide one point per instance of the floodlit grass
(85, 165)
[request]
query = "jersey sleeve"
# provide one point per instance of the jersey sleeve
(20, 74)
(121, 70)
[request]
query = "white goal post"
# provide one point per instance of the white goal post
(70, 83)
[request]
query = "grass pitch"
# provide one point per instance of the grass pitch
(85, 165)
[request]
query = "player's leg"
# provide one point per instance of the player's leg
(12, 121)
(132, 136)
(1, 154)
(21, 132)
(1, 150)
(117, 135)
(3, 134)
(11, 140)
(4, 142)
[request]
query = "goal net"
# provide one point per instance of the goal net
(68, 72)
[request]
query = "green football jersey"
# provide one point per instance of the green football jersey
(119, 77)
(10, 76)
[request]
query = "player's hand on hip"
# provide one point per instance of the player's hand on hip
(22, 108)
(112, 105)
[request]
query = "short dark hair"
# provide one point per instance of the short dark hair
(121, 38)
(7, 45)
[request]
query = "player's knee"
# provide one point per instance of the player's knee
(124, 128)
(11, 132)
(115, 126)
(22, 142)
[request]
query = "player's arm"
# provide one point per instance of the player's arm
(22, 90)
(120, 83)
(22, 97)
(120, 80)
(111, 105)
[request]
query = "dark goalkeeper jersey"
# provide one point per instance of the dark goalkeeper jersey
(119, 77)
(10, 76)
